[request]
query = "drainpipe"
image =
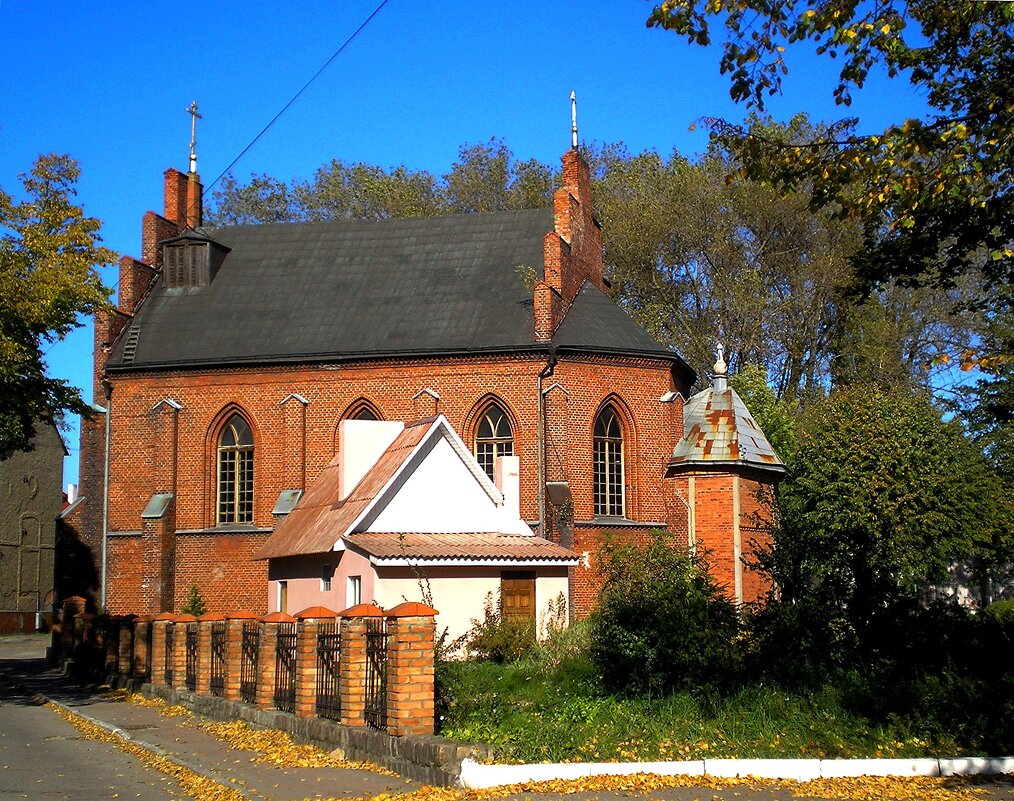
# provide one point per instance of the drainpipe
(544, 373)
(105, 495)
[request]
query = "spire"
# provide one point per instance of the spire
(721, 369)
(194, 116)
(573, 120)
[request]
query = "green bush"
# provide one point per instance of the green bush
(663, 624)
(194, 605)
(500, 638)
(1001, 613)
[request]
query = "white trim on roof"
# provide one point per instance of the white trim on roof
(464, 561)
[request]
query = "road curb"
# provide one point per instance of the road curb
(478, 776)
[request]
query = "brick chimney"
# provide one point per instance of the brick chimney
(572, 251)
(182, 194)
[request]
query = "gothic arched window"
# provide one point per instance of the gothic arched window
(493, 437)
(235, 472)
(608, 464)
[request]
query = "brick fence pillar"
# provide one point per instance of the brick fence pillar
(109, 632)
(125, 646)
(234, 652)
(84, 643)
(306, 658)
(180, 650)
(352, 669)
(203, 685)
(63, 637)
(159, 626)
(141, 659)
(410, 632)
(266, 659)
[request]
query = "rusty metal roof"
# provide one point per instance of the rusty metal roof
(460, 548)
(320, 519)
(718, 429)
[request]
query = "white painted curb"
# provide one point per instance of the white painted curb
(476, 776)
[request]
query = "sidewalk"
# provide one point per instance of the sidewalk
(178, 738)
(22, 665)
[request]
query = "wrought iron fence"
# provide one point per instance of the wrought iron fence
(376, 674)
(285, 668)
(149, 638)
(192, 657)
(328, 653)
(217, 682)
(170, 648)
(251, 648)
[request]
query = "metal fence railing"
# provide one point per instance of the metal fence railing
(285, 668)
(170, 647)
(251, 648)
(328, 654)
(217, 673)
(376, 674)
(192, 660)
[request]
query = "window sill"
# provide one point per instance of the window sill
(617, 522)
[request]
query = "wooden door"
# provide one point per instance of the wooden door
(517, 594)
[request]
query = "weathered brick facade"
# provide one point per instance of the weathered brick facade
(165, 426)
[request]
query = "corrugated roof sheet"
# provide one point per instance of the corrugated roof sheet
(719, 429)
(477, 545)
(360, 289)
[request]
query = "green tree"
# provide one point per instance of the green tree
(883, 496)
(49, 252)
(935, 193)
(194, 603)
(263, 200)
(776, 417)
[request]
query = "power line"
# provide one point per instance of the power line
(295, 97)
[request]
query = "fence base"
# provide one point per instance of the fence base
(428, 758)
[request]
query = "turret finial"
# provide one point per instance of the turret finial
(721, 368)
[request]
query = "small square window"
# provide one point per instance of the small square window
(353, 591)
(325, 578)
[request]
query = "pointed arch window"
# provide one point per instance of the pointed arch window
(364, 413)
(608, 464)
(493, 437)
(235, 472)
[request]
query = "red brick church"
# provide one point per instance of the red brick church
(234, 354)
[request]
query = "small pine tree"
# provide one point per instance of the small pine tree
(195, 602)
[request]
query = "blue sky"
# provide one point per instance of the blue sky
(109, 83)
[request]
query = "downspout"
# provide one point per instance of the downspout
(544, 373)
(105, 494)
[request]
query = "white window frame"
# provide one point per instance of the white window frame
(326, 572)
(353, 591)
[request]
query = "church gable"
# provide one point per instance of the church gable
(438, 492)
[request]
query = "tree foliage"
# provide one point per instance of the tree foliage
(49, 252)
(883, 497)
(935, 192)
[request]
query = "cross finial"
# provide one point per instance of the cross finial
(194, 117)
(573, 120)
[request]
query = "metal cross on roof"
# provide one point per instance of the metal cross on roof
(194, 116)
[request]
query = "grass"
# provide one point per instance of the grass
(534, 713)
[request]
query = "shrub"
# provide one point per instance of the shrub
(194, 605)
(1001, 613)
(498, 637)
(663, 623)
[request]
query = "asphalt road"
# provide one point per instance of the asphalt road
(43, 757)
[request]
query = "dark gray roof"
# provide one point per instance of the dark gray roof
(346, 290)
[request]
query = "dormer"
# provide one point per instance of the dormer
(191, 260)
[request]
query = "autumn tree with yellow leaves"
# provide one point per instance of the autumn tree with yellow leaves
(49, 255)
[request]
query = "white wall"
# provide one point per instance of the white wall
(442, 496)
